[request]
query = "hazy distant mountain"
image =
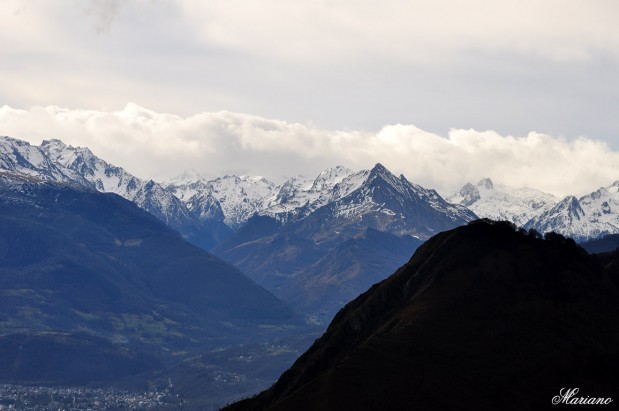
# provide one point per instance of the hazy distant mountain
(482, 317)
(500, 202)
(591, 216)
(77, 261)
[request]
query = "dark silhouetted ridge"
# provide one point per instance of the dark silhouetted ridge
(482, 317)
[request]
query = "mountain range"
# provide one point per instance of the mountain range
(287, 236)
(582, 218)
(311, 218)
(348, 195)
(206, 211)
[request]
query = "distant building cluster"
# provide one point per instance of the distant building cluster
(25, 398)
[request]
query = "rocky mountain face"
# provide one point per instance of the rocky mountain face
(494, 317)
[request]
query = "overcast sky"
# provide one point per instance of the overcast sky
(526, 92)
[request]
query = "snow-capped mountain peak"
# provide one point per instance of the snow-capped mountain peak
(590, 216)
(56, 161)
(470, 194)
(231, 197)
(20, 157)
(298, 196)
(500, 202)
(66, 154)
(380, 172)
(327, 179)
(104, 176)
(350, 184)
(291, 189)
(486, 183)
(376, 198)
(108, 178)
(559, 218)
(239, 197)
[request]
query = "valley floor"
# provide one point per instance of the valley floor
(20, 397)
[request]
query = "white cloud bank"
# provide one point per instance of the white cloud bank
(160, 146)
